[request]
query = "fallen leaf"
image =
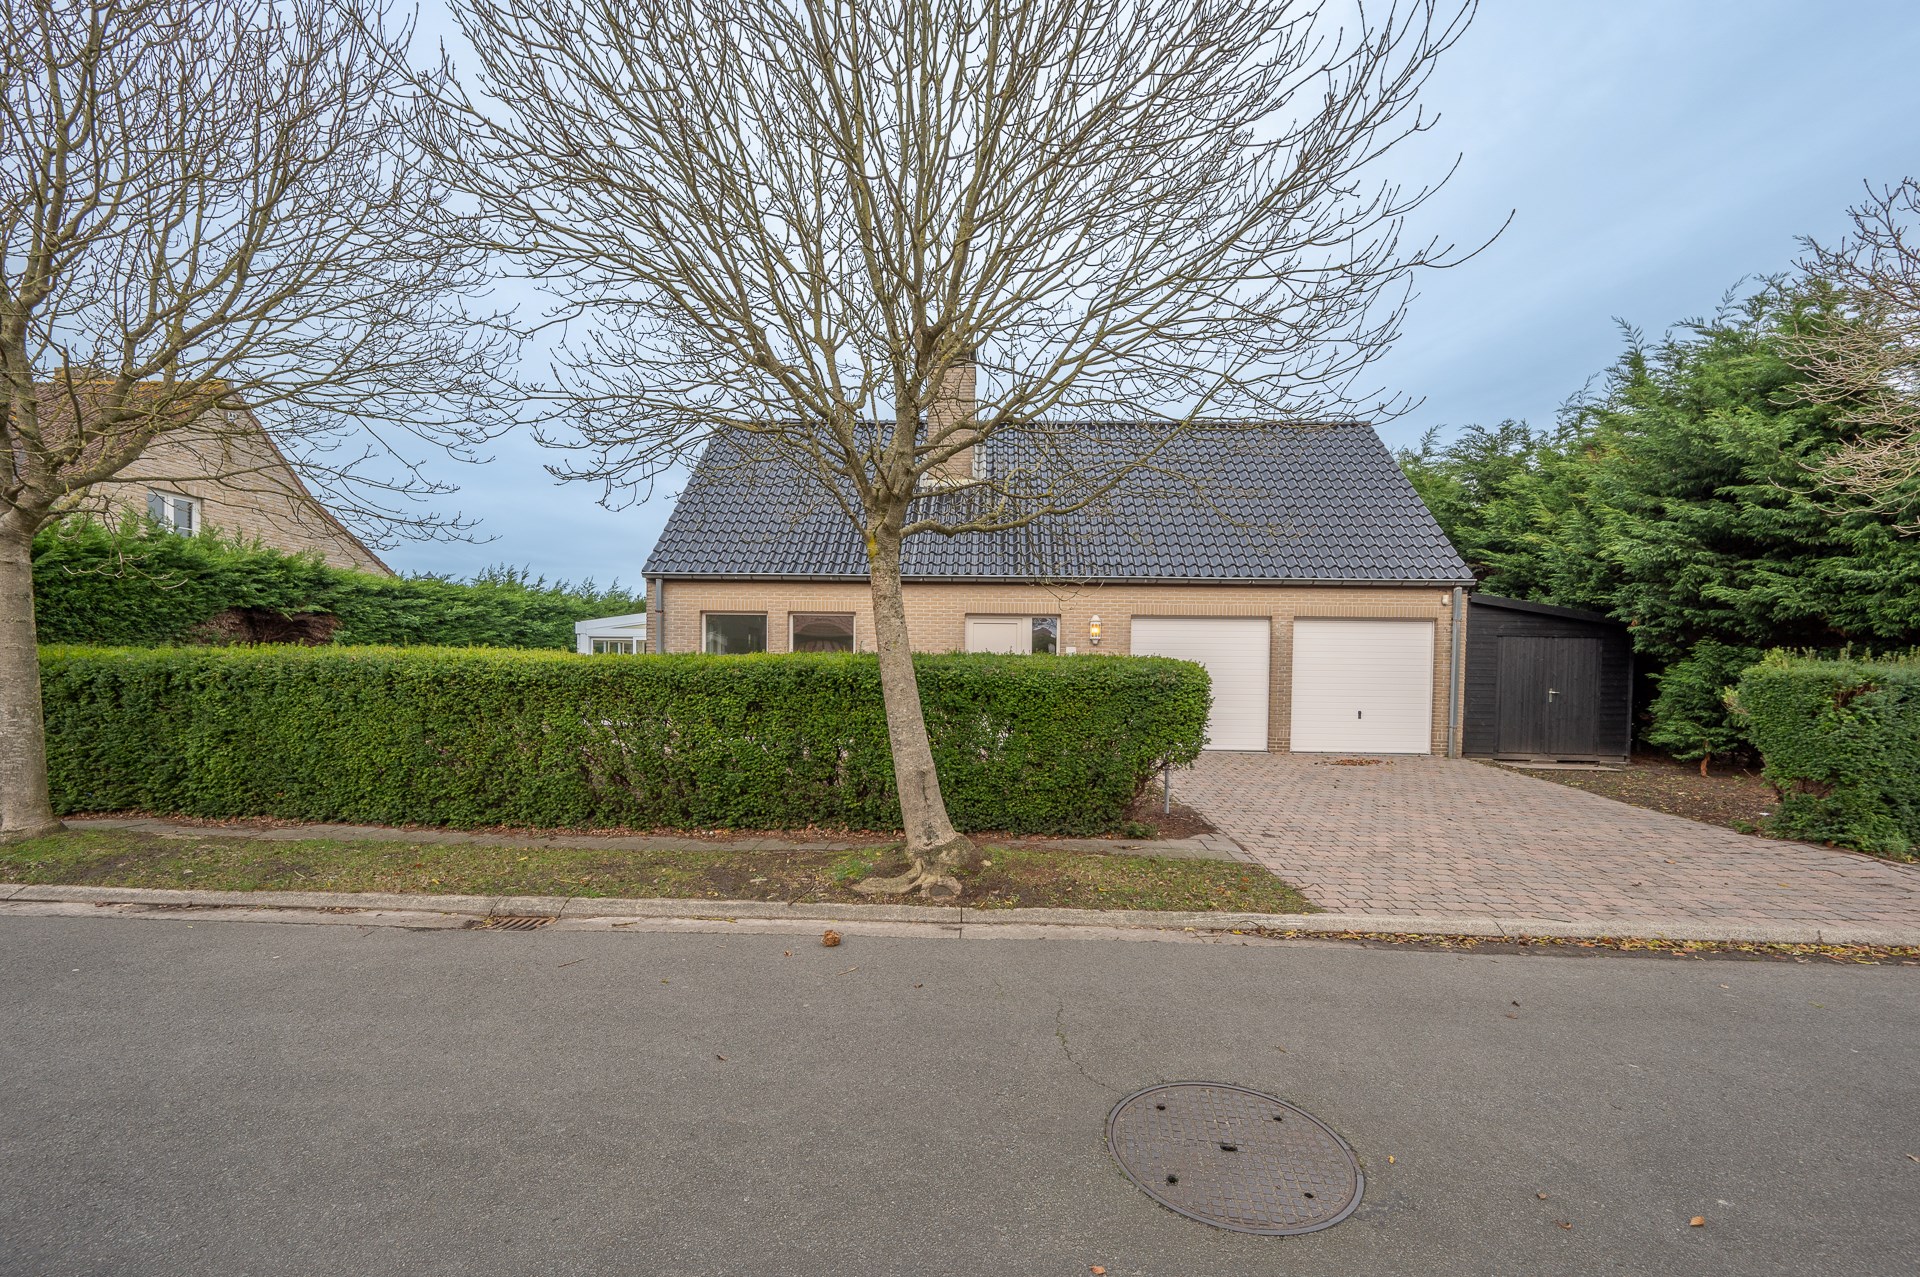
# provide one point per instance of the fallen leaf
(1698, 1221)
(1512, 1016)
(830, 938)
(1389, 1159)
(1541, 1196)
(718, 1056)
(1562, 1223)
(787, 954)
(917, 986)
(1516, 1004)
(1095, 1269)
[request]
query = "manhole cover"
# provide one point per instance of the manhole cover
(1235, 1158)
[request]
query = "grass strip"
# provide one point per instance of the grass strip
(1011, 877)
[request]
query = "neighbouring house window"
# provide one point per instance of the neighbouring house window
(612, 647)
(170, 510)
(1046, 634)
(732, 633)
(822, 631)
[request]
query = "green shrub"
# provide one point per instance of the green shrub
(1841, 741)
(471, 737)
(139, 584)
(1691, 719)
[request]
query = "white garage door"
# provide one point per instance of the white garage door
(1363, 687)
(1234, 650)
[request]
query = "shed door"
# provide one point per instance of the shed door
(1549, 695)
(1363, 687)
(1235, 653)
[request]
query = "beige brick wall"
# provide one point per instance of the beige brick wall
(246, 489)
(937, 612)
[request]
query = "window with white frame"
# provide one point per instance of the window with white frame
(613, 647)
(1022, 634)
(734, 633)
(173, 511)
(821, 631)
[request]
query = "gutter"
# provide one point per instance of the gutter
(1041, 581)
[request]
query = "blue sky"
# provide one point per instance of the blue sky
(1653, 154)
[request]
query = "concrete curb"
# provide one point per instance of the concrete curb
(596, 914)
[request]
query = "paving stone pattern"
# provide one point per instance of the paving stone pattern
(1435, 836)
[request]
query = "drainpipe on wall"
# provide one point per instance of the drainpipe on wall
(657, 614)
(1453, 676)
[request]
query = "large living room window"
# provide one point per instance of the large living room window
(822, 631)
(733, 633)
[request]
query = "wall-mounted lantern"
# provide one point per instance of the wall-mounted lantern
(1093, 631)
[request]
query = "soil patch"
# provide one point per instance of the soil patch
(1730, 796)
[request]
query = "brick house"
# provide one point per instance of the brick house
(228, 475)
(1298, 566)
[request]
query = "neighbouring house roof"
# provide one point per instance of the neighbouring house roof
(1278, 504)
(225, 455)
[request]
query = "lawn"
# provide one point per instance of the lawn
(1011, 876)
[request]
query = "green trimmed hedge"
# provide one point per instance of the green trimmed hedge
(470, 737)
(139, 584)
(1840, 740)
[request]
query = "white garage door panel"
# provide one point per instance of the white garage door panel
(1363, 687)
(1234, 651)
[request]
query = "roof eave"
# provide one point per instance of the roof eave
(842, 579)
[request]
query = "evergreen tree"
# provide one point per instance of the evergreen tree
(1682, 495)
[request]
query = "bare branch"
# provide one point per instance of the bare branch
(1868, 365)
(209, 205)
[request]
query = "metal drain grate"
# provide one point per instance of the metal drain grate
(503, 922)
(1235, 1158)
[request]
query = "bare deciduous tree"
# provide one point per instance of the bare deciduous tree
(793, 223)
(208, 206)
(1869, 367)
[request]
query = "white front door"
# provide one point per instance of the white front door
(1234, 650)
(1362, 687)
(999, 634)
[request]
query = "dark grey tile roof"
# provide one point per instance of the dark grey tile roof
(1281, 503)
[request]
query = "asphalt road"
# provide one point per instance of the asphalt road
(242, 1098)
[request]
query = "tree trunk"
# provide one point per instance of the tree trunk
(932, 844)
(26, 810)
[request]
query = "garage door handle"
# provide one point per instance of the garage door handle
(1551, 693)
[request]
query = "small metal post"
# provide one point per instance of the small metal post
(1166, 788)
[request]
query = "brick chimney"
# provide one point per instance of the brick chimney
(956, 401)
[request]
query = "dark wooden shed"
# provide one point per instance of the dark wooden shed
(1546, 683)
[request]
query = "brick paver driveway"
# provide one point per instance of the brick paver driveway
(1435, 836)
